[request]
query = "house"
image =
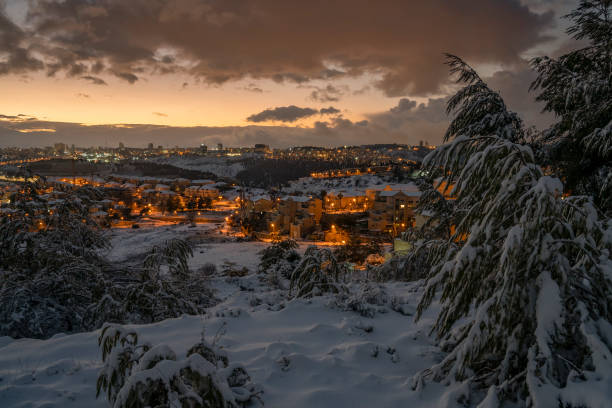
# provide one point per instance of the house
(346, 200)
(336, 234)
(295, 215)
(261, 203)
(392, 211)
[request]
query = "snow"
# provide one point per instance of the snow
(219, 166)
(548, 311)
(302, 352)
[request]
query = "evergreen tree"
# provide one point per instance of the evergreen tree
(54, 277)
(483, 111)
(525, 278)
(278, 261)
(318, 272)
(577, 88)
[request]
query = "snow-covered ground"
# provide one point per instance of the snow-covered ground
(219, 166)
(358, 183)
(303, 353)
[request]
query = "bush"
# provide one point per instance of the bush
(82, 296)
(366, 300)
(357, 251)
(141, 375)
(208, 269)
(278, 261)
(319, 272)
(410, 267)
(232, 270)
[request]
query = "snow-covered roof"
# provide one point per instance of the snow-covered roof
(388, 193)
(297, 199)
(261, 197)
(202, 182)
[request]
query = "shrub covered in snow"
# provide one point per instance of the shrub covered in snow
(318, 272)
(50, 269)
(278, 261)
(411, 266)
(367, 299)
(53, 278)
(357, 250)
(141, 375)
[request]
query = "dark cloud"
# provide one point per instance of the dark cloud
(404, 105)
(329, 111)
(15, 57)
(513, 85)
(252, 88)
(94, 80)
(289, 114)
(428, 121)
(127, 76)
(362, 91)
(160, 114)
(16, 118)
(424, 121)
(217, 41)
(83, 95)
(282, 114)
(329, 93)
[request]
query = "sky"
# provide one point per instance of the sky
(239, 72)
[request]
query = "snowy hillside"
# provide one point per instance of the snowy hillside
(218, 166)
(301, 352)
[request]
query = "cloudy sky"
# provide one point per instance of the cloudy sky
(282, 72)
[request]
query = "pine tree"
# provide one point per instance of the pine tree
(278, 262)
(54, 278)
(525, 278)
(577, 88)
(318, 272)
(483, 111)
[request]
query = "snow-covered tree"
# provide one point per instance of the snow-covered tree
(172, 254)
(278, 261)
(153, 294)
(318, 272)
(577, 88)
(525, 279)
(483, 111)
(50, 267)
(141, 375)
(54, 277)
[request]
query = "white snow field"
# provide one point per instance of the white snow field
(303, 353)
(219, 166)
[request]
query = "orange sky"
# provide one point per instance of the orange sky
(148, 100)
